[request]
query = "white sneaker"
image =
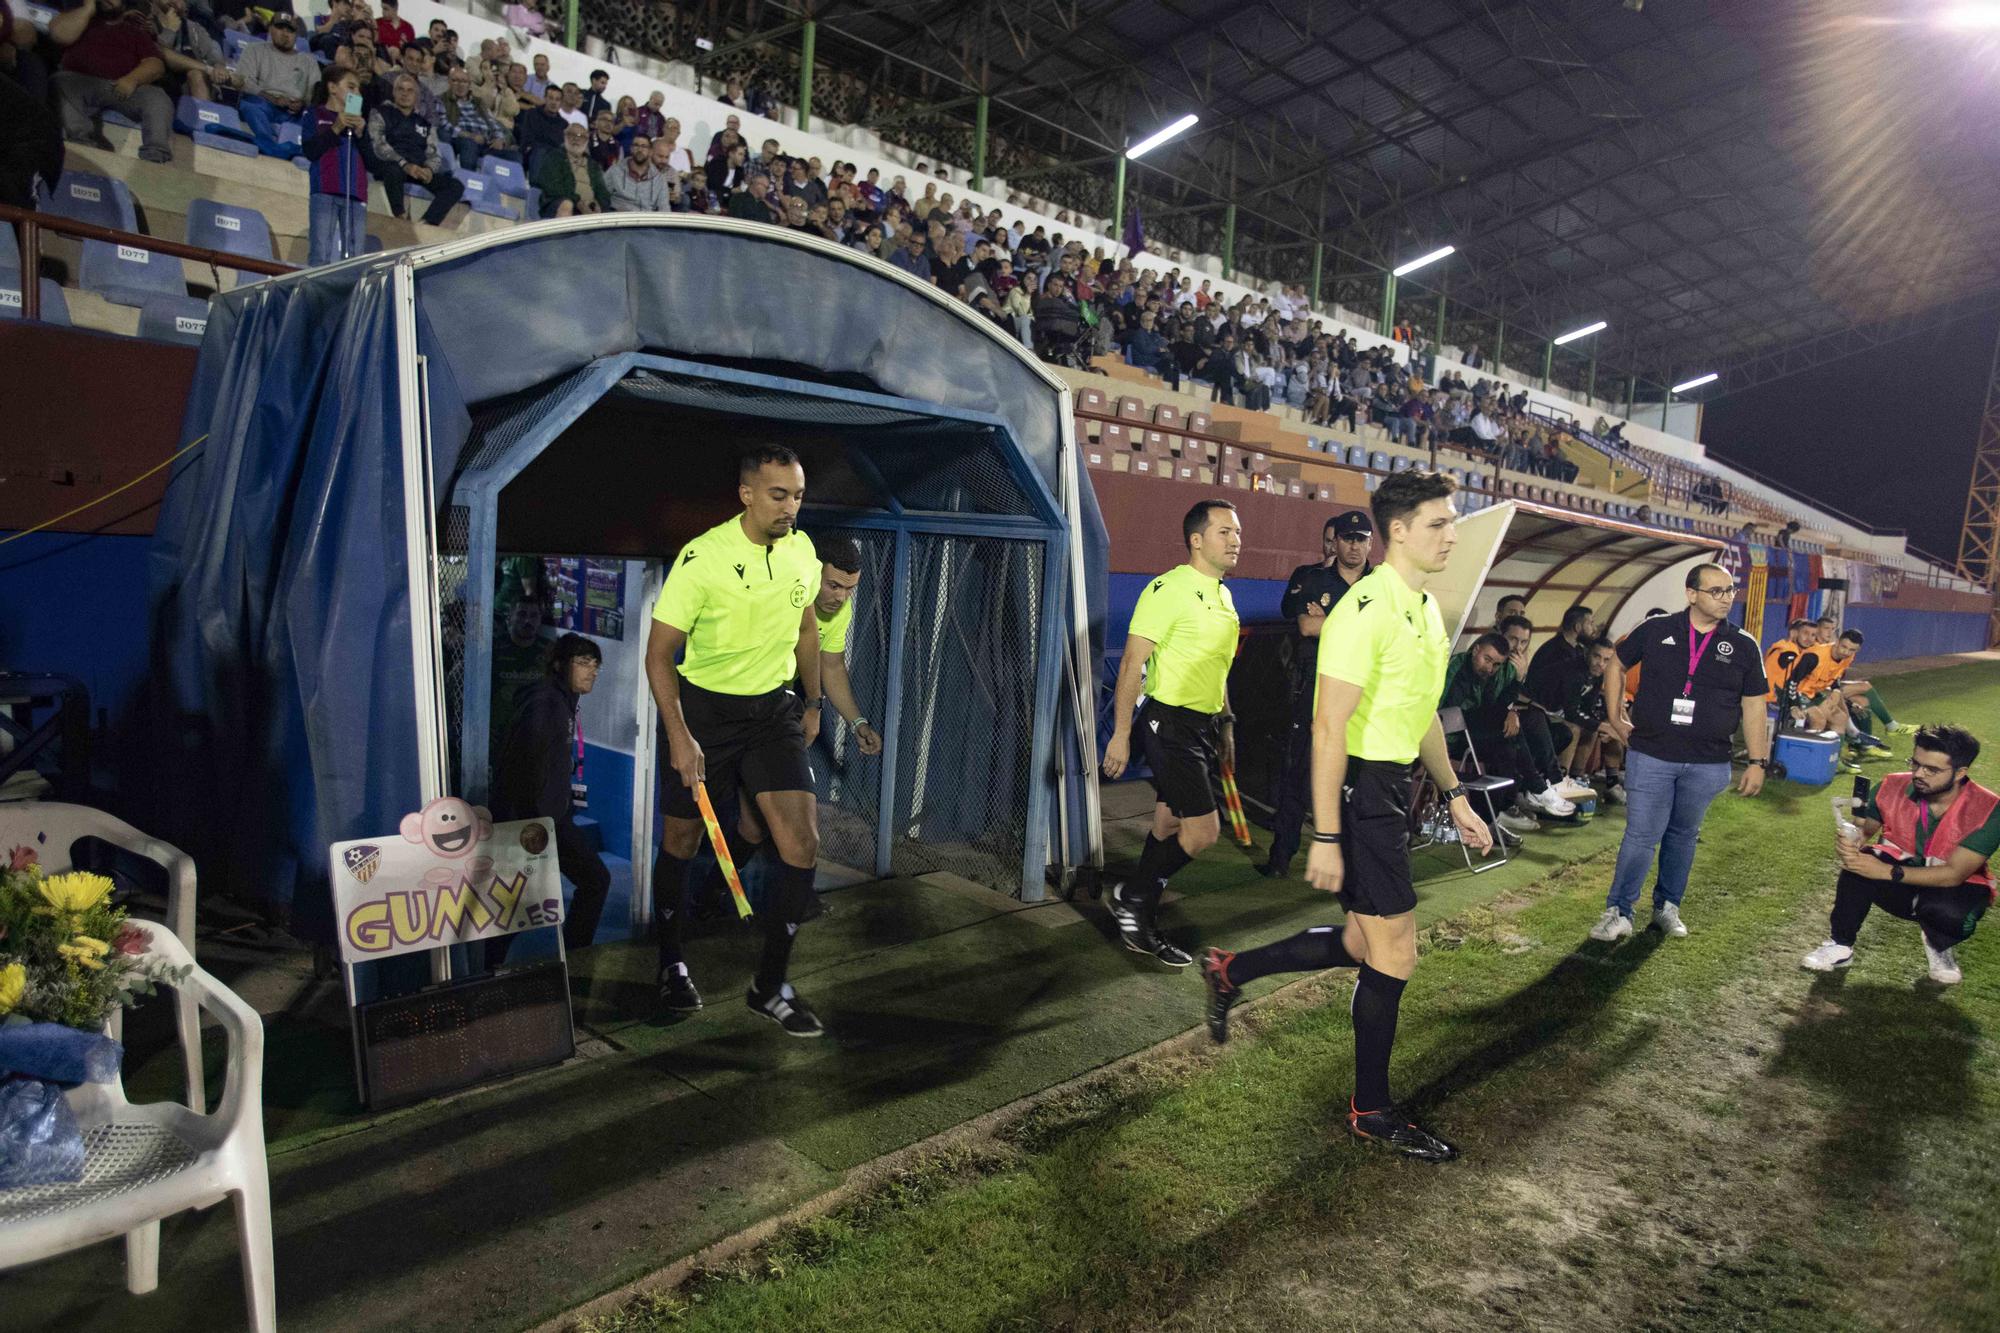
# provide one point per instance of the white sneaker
(1517, 823)
(1549, 803)
(1944, 965)
(1667, 919)
(1613, 925)
(1828, 957)
(1572, 790)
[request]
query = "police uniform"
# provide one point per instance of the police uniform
(1388, 639)
(740, 603)
(1191, 621)
(1323, 586)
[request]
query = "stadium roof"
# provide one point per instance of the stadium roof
(1738, 187)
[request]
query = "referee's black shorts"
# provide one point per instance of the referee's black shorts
(1180, 746)
(751, 743)
(1375, 817)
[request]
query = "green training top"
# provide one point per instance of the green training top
(833, 628)
(740, 605)
(1191, 620)
(1388, 638)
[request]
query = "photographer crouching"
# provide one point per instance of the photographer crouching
(1934, 831)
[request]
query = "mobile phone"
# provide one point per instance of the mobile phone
(353, 104)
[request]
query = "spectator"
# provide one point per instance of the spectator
(735, 94)
(1018, 307)
(539, 129)
(603, 140)
(511, 98)
(793, 210)
(801, 184)
(339, 207)
(472, 133)
(1146, 348)
(634, 185)
(194, 62)
(673, 165)
(572, 107)
(1220, 370)
(30, 133)
(869, 242)
(728, 176)
(570, 181)
(414, 63)
(526, 16)
(538, 82)
(112, 63)
(404, 146)
(596, 99)
(391, 32)
(725, 138)
(913, 258)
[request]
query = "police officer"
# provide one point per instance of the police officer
(1183, 634)
(1381, 672)
(738, 610)
(1309, 596)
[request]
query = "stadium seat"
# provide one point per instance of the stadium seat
(483, 193)
(83, 197)
(193, 117)
(511, 177)
(233, 42)
(1357, 455)
(1379, 461)
(55, 307)
(228, 228)
(129, 275)
(174, 319)
(1399, 464)
(10, 251)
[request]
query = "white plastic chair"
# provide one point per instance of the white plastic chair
(52, 828)
(145, 1163)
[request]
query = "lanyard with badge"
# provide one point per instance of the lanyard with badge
(1683, 707)
(579, 794)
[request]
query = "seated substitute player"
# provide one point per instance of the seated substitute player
(1183, 633)
(1935, 832)
(1837, 704)
(738, 601)
(1787, 663)
(1598, 756)
(1381, 672)
(1481, 684)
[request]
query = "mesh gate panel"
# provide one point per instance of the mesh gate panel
(967, 728)
(850, 786)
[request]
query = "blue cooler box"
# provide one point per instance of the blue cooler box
(1809, 758)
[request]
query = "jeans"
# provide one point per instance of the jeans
(84, 99)
(337, 232)
(261, 118)
(471, 152)
(1664, 803)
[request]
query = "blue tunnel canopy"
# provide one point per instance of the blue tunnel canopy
(291, 666)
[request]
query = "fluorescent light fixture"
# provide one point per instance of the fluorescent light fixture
(1148, 144)
(1431, 258)
(1696, 382)
(1970, 17)
(1583, 332)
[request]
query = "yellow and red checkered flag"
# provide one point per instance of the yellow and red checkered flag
(1238, 825)
(721, 846)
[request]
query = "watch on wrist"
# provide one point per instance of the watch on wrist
(1896, 874)
(1759, 763)
(858, 723)
(1452, 795)
(1333, 839)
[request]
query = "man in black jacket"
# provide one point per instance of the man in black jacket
(538, 774)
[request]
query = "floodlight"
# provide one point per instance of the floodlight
(1421, 260)
(1970, 17)
(1148, 144)
(1696, 382)
(1583, 332)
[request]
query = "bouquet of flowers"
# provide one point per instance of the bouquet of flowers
(68, 958)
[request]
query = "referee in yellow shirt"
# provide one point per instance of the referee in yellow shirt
(1183, 636)
(737, 610)
(1382, 662)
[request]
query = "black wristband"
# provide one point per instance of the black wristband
(1332, 839)
(1452, 795)
(1760, 763)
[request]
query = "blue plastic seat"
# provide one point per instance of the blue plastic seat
(81, 196)
(1399, 464)
(1379, 461)
(55, 307)
(192, 115)
(1357, 455)
(174, 319)
(483, 193)
(511, 177)
(233, 42)
(129, 275)
(229, 228)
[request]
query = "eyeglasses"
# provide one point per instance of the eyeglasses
(1727, 592)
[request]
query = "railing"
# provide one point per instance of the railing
(29, 227)
(1799, 497)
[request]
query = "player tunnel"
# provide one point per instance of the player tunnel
(382, 434)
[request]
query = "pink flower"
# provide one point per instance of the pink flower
(130, 939)
(22, 858)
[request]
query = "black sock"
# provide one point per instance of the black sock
(1312, 950)
(1376, 999)
(789, 886)
(669, 906)
(1157, 864)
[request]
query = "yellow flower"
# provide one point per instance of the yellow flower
(13, 981)
(76, 892)
(84, 951)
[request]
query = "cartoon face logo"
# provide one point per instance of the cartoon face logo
(449, 827)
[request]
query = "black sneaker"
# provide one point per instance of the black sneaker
(1272, 870)
(1393, 1129)
(788, 1010)
(1222, 993)
(1138, 933)
(677, 992)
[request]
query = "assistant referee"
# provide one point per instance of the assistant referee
(737, 609)
(1183, 634)
(1381, 672)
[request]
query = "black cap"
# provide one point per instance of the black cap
(1354, 523)
(283, 21)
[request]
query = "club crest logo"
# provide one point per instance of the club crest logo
(362, 862)
(1725, 649)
